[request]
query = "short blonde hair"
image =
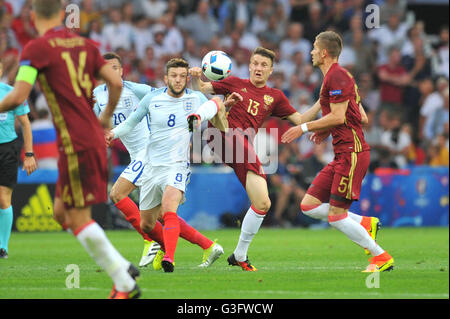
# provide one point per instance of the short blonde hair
(330, 41)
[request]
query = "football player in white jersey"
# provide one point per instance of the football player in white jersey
(167, 170)
(135, 142)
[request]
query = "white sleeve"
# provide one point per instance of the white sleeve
(207, 110)
(140, 90)
(96, 109)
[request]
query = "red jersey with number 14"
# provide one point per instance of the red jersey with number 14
(67, 65)
(257, 104)
(339, 86)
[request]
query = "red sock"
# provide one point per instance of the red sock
(171, 233)
(132, 215)
(158, 235)
(192, 235)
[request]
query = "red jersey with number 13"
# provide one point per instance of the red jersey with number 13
(67, 65)
(339, 86)
(257, 104)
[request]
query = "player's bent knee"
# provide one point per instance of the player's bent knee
(263, 205)
(116, 196)
(147, 226)
(337, 211)
(59, 215)
(308, 208)
(5, 199)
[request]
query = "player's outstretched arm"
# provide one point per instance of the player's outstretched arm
(318, 136)
(17, 96)
(334, 118)
(130, 123)
(114, 83)
(307, 116)
(198, 84)
(29, 163)
(209, 109)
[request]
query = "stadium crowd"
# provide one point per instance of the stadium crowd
(402, 72)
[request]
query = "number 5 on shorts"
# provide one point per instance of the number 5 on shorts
(343, 184)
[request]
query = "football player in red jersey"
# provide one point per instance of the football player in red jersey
(259, 102)
(339, 183)
(66, 65)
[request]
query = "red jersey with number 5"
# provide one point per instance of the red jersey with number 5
(339, 86)
(67, 66)
(257, 104)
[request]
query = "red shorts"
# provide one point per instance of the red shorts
(82, 178)
(238, 153)
(339, 183)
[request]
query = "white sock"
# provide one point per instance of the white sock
(94, 240)
(356, 233)
(321, 212)
(250, 226)
(208, 110)
(357, 218)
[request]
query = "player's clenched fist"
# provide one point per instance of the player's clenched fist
(195, 72)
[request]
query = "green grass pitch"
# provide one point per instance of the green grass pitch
(292, 264)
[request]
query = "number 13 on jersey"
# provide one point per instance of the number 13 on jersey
(253, 107)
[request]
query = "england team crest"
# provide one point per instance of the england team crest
(127, 102)
(187, 106)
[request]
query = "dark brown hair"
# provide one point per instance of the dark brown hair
(176, 63)
(264, 52)
(111, 56)
(47, 8)
(330, 41)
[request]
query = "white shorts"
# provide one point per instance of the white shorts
(155, 179)
(134, 170)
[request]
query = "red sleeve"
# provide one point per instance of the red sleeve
(224, 86)
(340, 87)
(35, 54)
(283, 108)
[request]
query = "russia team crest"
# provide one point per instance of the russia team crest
(267, 101)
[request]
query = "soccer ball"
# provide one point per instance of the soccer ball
(216, 65)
